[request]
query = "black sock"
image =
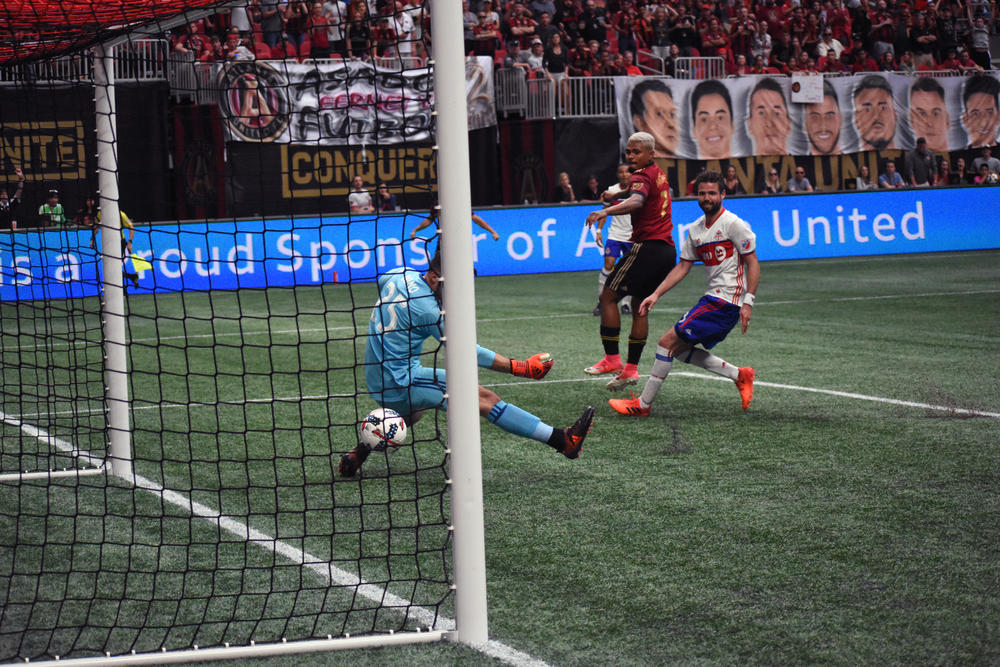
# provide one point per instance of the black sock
(609, 338)
(558, 439)
(635, 347)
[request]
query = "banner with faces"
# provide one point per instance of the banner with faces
(754, 115)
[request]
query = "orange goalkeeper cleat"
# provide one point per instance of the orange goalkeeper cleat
(536, 366)
(629, 406)
(744, 382)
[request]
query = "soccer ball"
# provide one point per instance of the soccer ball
(382, 428)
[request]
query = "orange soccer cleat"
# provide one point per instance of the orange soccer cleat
(629, 406)
(744, 382)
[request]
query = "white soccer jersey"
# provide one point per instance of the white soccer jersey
(719, 248)
(621, 225)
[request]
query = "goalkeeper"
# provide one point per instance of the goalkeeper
(408, 312)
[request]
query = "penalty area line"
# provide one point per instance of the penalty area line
(778, 385)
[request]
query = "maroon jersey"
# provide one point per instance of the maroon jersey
(653, 221)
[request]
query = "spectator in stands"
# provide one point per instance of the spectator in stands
(563, 192)
(981, 117)
(556, 58)
(946, 28)
(950, 61)
(336, 16)
(804, 63)
(624, 61)
(567, 18)
(822, 121)
(890, 178)
(469, 21)
(50, 213)
(799, 182)
(983, 176)
(659, 42)
(533, 60)
(906, 63)
(966, 62)
(592, 23)
(829, 44)
(944, 172)
(960, 176)
(383, 35)
(654, 111)
(10, 203)
(539, 7)
(731, 182)
(519, 27)
(385, 200)
(545, 29)
(296, 15)
(740, 67)
(761, 43)
(883, 29)
(772, 183)
(685, 37)
(624, 24)
(214, 52)
(888, 62)
(929, 116)
(767, 121)
(715, 41)
(875, 113)
(235, 48)
(193, 41)
(86, 215)
(271, 21)
(923, 41)
(759, 66)
(992, 163)
(712, 119)
(239, 18)
(832, 64)
(863, 181)
(670, 62)
(862, 62)
(979, 36)
(920, 165)
(359, 200)
(741, 31)
(581, 60)
(487, 35)
(592, 191)
(318, 32)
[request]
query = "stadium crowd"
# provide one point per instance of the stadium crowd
(613, 37)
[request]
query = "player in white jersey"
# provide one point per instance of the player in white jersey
(727, 247)
(619, 235)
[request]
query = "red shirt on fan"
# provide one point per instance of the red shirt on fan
(653, 221)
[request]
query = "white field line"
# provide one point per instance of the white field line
(778, 385)
(327, 571)
(299, 332)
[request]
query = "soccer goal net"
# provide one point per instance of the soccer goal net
(197, 201)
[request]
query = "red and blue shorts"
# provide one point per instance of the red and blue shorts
(708, 323)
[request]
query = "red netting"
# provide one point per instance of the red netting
(32, 28)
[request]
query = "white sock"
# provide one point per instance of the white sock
(710, 362)
(661, 368)
(627, 301)
(601, 279)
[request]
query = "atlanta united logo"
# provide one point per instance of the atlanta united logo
(252, 99)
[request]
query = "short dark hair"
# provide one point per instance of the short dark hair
(767, 83)
(928, 84)
(873, 81)
(830, 91)
(435, 262)
(637, 105)
(980, 83)
(708, 176)
(710, 87)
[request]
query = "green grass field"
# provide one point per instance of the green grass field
(851, 516)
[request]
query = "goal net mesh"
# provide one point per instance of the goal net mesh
(248, 284)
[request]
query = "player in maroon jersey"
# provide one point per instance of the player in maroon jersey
(642, 268)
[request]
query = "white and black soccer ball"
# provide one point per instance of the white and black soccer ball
(382, 428)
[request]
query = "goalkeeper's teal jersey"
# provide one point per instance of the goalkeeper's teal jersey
(405, 316)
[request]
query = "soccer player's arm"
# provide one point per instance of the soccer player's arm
(423, 223)
(635, 200)
(485, 225)
(676, 275)
(127, 224)
(753, 280)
